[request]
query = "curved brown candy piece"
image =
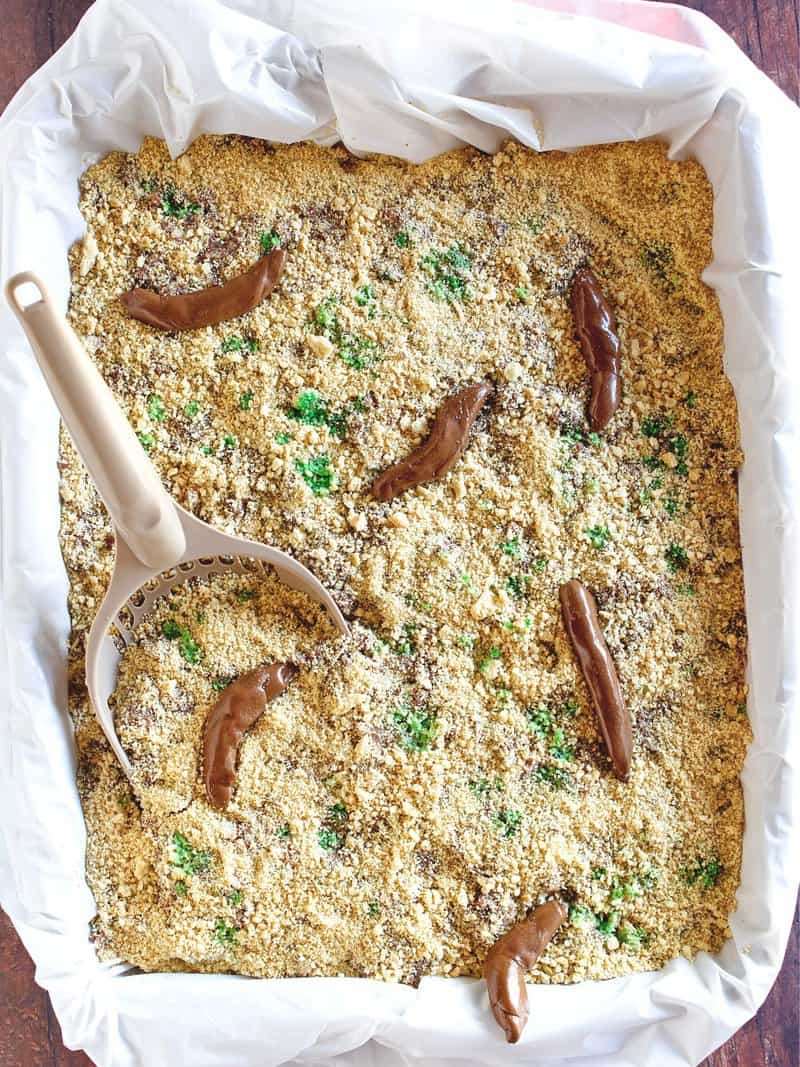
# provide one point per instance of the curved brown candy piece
(596, 332)
(207, 307)
(579, 610)
(240, 705)
(509, 958)
(447, 440)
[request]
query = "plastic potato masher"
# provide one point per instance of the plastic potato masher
(159, 544)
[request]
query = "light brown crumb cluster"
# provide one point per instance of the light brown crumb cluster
(426, 781)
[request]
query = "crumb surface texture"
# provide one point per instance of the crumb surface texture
(425, 782)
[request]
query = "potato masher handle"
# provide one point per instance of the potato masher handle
(141, 509)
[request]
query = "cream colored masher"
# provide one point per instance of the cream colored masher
(159, 544)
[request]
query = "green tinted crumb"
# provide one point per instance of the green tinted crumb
(147, 441)
(706, 872)
(186, 857)
(582, 918)
(235, 897)
(155, 409)
(240, 344)
(540, 721)
(508, 821)
(598, 536)
(222, 681)
(555, 777)
(416, 727)
(187, 646)
(317, 474)
(191, 409)
(246, 401)
(448, 272)
(312, 410)
(401, 239)
(224, 933)
(175, 204)
(521, 293)
(329, 839)
(181, 888)
(270, 241)
(511, 547)
(373, 909)
(283, 831)
(516, 585)
(283, 438)
(676, 558)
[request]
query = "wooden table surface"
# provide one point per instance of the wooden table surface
(769, 31)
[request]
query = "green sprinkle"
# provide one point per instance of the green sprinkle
(676, 558)
(245, 401)
(401, 239)
(594, 439)
(373, 909)
(170, 629)
(317, 474)
(416, 727)
(283, 831)
(570, 707)
(283, 438)
(540, 564)
(535, 223)
(329, 840)
(243, 595)
(224, 933)
(510, 548)
(521, 293)
(207, 450)
(186, 857)
(173, 203)
(598, 536)
(181, 888)
(337, 812)
(466, 581)
(229, 442)
(690, 400)
(191, 409)
(155, 409)
(147, 441)
(508, 821)
(235, 897)
(270, 241)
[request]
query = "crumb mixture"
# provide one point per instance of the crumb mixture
(426, 781)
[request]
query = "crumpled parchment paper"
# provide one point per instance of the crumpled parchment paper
(391, 77)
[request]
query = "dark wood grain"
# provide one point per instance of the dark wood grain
(769, 31)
